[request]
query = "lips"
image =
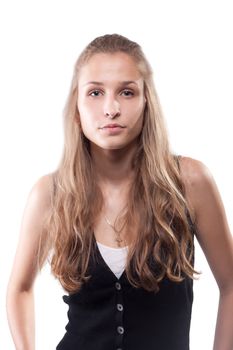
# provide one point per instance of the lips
(113, 126)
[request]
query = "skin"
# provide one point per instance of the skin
(111, 100)
(124, 102)
(112, 156)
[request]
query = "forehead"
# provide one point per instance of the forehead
(107, 67)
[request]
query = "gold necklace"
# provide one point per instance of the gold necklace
(118, 239)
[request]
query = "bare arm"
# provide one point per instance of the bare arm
(216, 241)
(20, 299)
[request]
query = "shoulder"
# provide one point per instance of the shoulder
(42, 186)
(40, 193)
(198, 181)
(212, 228)
(38, 205)
(24, 269)
(193, 171)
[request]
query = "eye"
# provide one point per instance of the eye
(96, 92)
(128, 93)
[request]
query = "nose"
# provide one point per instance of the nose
(112, 109)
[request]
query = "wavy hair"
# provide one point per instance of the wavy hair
(157, 194)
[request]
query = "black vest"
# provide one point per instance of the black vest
(110, 314)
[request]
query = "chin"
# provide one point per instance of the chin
(109, 145)
(112, 147)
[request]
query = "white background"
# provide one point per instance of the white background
(189, 44)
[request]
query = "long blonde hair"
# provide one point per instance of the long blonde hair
(157, 194)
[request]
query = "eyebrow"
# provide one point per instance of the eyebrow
(127, 82)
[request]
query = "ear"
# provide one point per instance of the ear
(77, 117)
(77, 121)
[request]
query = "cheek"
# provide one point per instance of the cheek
(84, 113)
(136, 112)
(137, 105)
(88, 109)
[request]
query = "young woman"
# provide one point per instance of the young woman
(117, 218)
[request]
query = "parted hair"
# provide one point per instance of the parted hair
(156, 199)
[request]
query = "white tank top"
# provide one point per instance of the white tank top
(115, 258)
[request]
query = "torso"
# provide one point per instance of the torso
(115, 201)
(105, 235)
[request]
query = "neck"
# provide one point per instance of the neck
(113, 168)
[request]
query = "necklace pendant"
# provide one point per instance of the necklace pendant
(119, 240)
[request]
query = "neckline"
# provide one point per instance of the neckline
(112, 248)
(106, 265)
